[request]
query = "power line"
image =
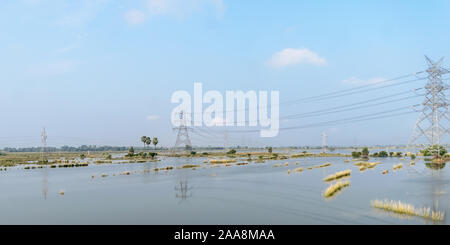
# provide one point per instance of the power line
(339, 93)
(349, 119)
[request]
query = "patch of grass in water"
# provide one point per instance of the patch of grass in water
(408, 209)
(335, 188)
(338, 175)
(190, 166)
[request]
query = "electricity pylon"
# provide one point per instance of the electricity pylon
(44, 145)
(432, 125)
(324, 142)
(182, 135)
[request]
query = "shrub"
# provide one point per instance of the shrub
(434, 150)
(382, 154)
(232, 151)
(356, 154)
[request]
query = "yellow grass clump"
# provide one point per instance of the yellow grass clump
(337, 175)
(289, 171)
(385, 171)
(277, 165)
(286, 164)
(412, 163)
(325, 165)
(191, 166)
(298, 170)
(333, 189)
(398, 166)
(408, 209)
(61, 192)
(220, 161)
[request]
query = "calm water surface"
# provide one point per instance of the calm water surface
(258, 193)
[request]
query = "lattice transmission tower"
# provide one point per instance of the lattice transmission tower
(324, 142)
(44, 145)
(183, 132)
(432, 124)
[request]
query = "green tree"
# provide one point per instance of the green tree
(434, 150)
(152, 154)
(232, 151)
(382, 154)
(148, 141)
(365, 152)
(131, 151)
(144, 140)
(356, 154)
(269, 149)
(155, 142)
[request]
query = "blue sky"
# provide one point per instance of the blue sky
(102, 71)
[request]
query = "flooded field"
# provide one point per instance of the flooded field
(271, 192)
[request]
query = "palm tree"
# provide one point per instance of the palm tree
(148, 140)
(155, 142)
(143, 139)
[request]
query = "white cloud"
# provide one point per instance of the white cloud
(152, 117)
(357, 81)
(290, 56)
(134, 17)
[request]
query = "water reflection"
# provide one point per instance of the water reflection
(183, 191)
(44, 183)
(435, 166)
(436, 183)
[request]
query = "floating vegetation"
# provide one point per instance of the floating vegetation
(412, 163)
(125, 173)
(296, 163)
(365, 165)
(338, 175)
(298, 170)
(398, 166)
(288, 171)
(346, 160)
(102, 161)
(277, 165)
(286, 164)
(220, 161)
(61, 192)
(190, 166)
(335, 188)
(27, 167)
(104, 175)
(242, 163)
(408, 209)
(169, 168)
(309, 168)
(325, 165)
(385, 171)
